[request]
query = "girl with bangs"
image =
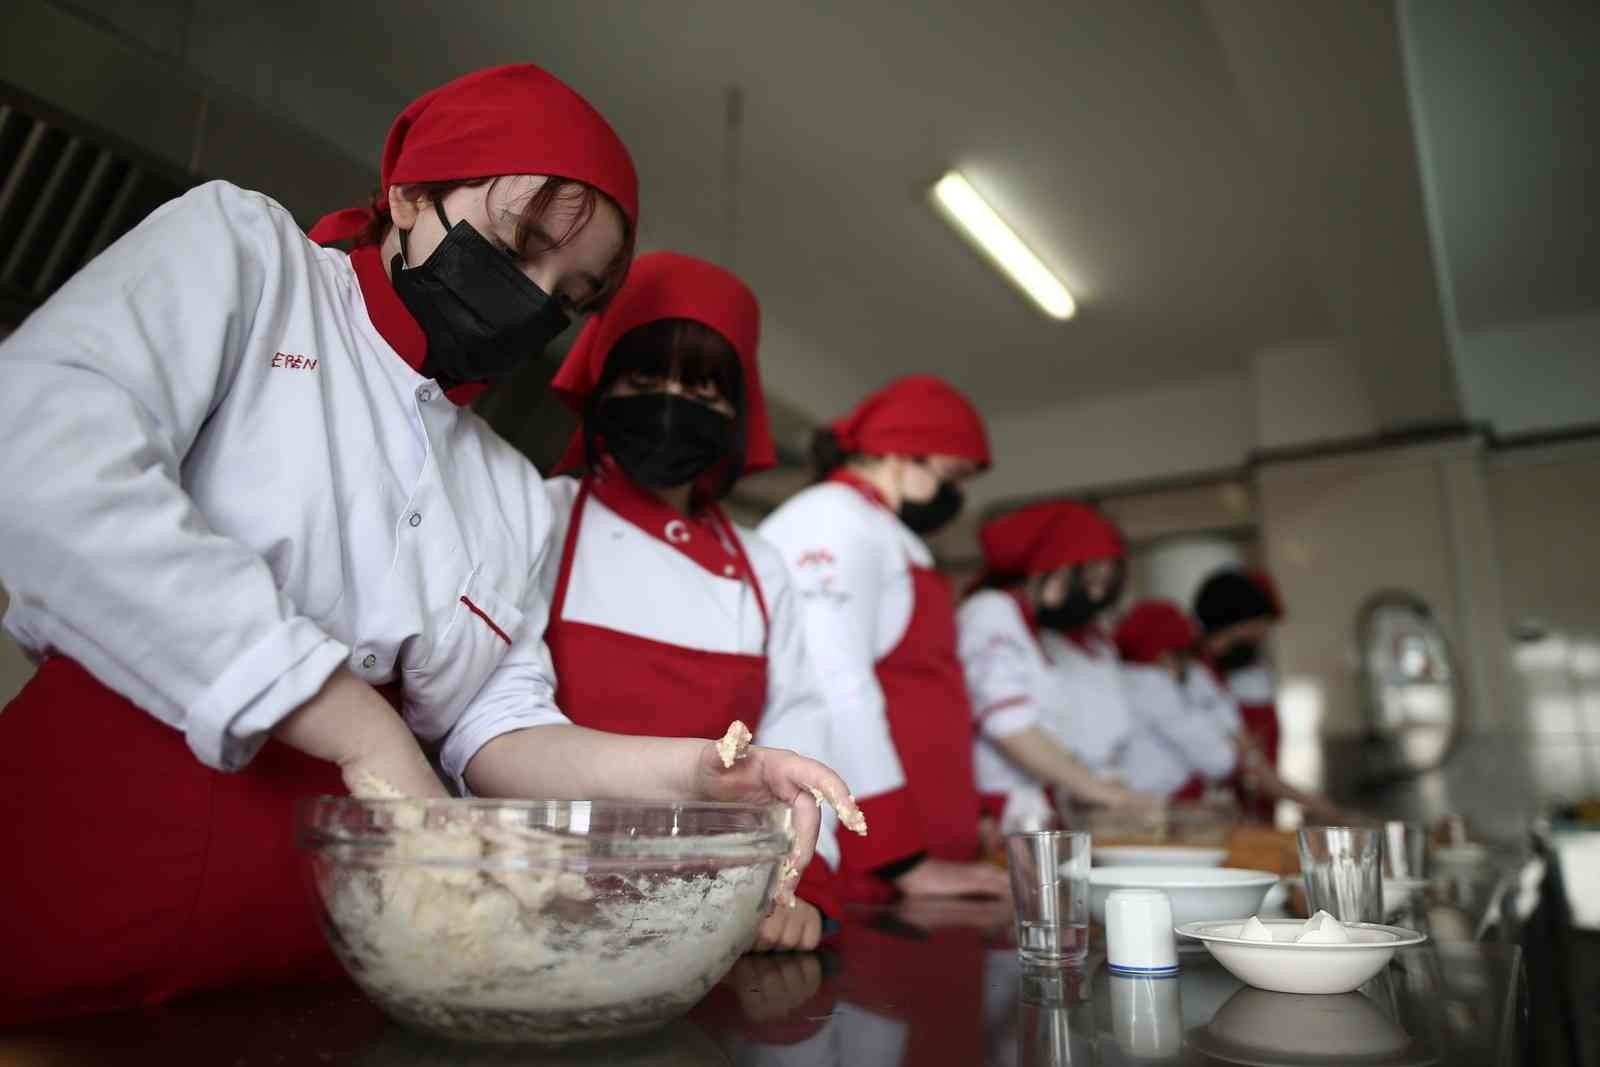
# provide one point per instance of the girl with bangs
(250, 528)
(665, 617)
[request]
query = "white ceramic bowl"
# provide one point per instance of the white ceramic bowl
(1285, 966)
(1157, 856)
(1195, 892)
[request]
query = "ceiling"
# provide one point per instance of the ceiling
(1111, 135)
(1505, 95)
(1210, 178)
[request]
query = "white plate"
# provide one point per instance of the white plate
(1285, 966)
(1157, 856)
(1195, 892)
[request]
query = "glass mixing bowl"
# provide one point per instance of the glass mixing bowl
(542, 921)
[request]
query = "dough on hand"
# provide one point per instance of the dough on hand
(850, 817)
(735, 744)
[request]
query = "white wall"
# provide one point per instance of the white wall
(1541, 375)
(1337, 530)
(1307, 392)
(1166, 430)
(1548, 526)
(1174, 570)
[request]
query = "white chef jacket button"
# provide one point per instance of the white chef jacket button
(369, 661)
(425, 394)
(416, 518)
(728, 570)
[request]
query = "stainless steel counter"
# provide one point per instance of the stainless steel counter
(928, 984)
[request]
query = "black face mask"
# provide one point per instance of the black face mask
(1237, 657)
(481, 314)
(1073, 613)
(1078, 609)
(930, 515)
(662, 440)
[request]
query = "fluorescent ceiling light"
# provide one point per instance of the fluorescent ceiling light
(962, 205)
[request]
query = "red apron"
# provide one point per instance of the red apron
(1261, 723)
(930, 722)
(615, 681)
(139, 873)
(610, 680)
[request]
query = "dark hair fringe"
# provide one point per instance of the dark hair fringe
(827, 455)
(553, 191)
(695, 353)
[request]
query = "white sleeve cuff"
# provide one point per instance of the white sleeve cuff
(233, 718)
(477, 727)
(1012, 715)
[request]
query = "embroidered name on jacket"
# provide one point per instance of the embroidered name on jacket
(290, 361)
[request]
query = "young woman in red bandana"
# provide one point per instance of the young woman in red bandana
(247, 522)
(1045, 683)
(881, 634)
(665, 617)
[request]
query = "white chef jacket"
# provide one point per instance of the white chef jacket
(221, 483)
(1253, 685)
(1017, 679)
(1179, 729)
(850, 561)
(629, 580)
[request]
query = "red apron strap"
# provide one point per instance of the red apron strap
(729, 534)
(569, 547)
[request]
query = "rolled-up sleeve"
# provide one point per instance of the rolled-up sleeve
(521, 690)
(103, 391)
(997, 660)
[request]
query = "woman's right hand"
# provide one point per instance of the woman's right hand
(947, 878)
(349, 724)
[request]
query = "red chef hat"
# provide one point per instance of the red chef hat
(918, 415)
(1154, 627)
(666, 285)
(1041, 538)
(514, 119)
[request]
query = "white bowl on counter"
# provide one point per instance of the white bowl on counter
(1157, 856)
(1284, 965)
(1196, 892)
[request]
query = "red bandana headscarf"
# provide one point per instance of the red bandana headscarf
(1046, 537)
(918, 415)
(666, 285)
(1152, 628)
(515, 119)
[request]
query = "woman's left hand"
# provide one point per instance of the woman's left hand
(754, 775)
(796, 929)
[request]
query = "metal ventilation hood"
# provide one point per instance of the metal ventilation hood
(64, 196)
(90, 144)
